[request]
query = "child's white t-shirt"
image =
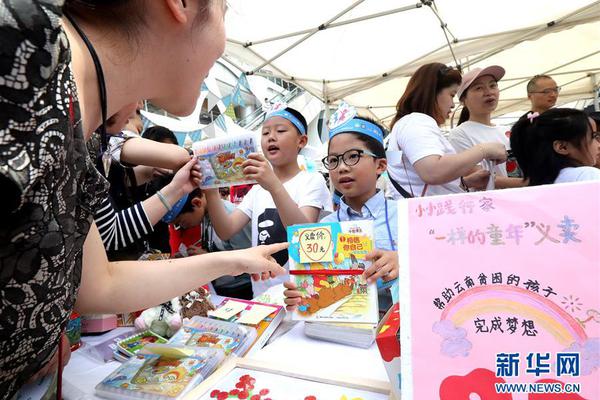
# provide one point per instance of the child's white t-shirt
(578, 174)
(418, 136)
(471, 133)
(308, 189)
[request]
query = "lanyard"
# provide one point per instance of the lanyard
(387, 224)
(106, 157)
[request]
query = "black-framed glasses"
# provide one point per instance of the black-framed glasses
(350, 157)
(555, 90)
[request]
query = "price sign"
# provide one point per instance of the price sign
(316, 245)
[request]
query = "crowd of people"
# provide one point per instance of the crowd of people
(79, 208)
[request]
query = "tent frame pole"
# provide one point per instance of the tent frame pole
(333, 25)
(310, 34)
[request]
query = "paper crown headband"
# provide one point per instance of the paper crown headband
(278, 110)
(175, 210)
(343, 120)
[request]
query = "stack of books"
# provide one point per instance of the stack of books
(160, 372)
(351, 334)
(263, 317)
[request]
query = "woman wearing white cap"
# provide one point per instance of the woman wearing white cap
(478, 94)
(421, 161)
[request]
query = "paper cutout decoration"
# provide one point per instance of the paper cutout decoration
(327, 261)
(343, 114)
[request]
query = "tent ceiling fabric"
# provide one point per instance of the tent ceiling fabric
(367, 62)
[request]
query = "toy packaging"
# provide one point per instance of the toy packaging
(221, 159)
(206, 332)
(160, 372)
(132, 344)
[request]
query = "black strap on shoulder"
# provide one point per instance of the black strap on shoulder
(399, 188)
(101, 82)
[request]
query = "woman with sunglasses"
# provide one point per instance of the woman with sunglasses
(61, 77)
(422, 162)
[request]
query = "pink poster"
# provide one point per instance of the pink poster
(500, 294)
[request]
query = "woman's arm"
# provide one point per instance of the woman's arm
(437, 170)
(133, 285)
(140, 151)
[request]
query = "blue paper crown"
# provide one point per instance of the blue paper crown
(356, 125)
(290, 117)
(175, 210)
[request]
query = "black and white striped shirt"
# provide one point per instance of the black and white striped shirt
(123, 228)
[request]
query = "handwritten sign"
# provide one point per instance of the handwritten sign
(316, 245)
(501, 288)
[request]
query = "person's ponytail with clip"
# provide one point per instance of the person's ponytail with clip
(532, 142)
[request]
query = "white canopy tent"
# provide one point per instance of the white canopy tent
(364, 51)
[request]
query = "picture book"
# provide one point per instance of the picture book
(206, 332)
(265, 318)
(221, 159)
(160, 372)
(327, 261)
(132, 344)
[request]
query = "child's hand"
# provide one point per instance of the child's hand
(384, 265)
(257, 168)
(292, 296)
(188, 177)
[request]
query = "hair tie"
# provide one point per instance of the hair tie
(532, 115)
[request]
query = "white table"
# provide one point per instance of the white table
(83, 373)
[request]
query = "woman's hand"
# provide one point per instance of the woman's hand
(258, 261)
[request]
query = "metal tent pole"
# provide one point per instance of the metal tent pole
(310, 34)
(333, 25)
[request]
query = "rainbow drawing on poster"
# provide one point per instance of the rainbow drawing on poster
(333, 256)
(221, 159)
(501, 290)
(518, 301)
